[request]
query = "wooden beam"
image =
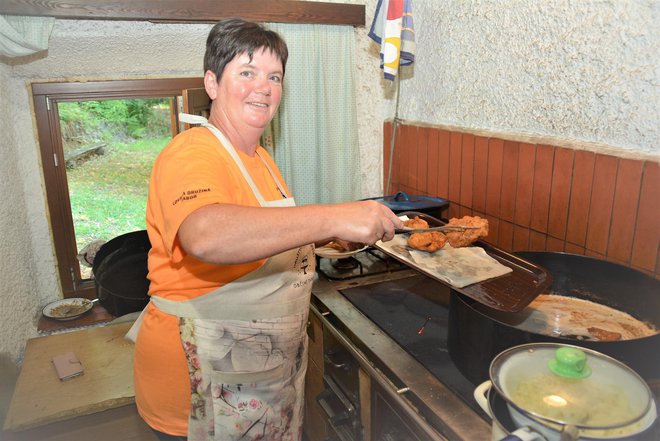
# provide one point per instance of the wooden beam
(190, 11)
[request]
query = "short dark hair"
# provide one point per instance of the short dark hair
(235, 36)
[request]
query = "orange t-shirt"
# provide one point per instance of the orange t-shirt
(192, 171)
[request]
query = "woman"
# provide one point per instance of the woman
(221, 350)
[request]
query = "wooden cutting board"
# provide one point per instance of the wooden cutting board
(41, 398)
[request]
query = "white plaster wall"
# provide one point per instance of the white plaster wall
(585, 70)
(558, 70)
(18, 291)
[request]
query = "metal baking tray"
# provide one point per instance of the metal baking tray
(510, 293)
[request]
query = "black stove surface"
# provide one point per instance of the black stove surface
(414, 312)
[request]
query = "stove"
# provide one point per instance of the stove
(398, 318)
(366, 263)
(414, 312)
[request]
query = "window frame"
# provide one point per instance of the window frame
(46, 96)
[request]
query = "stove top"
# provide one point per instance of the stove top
(414, 312)
(366, 263)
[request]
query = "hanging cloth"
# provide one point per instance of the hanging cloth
(21, 36)
(394, 30)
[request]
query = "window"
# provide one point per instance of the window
(47, 98)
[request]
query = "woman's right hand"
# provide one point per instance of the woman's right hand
(364, 222)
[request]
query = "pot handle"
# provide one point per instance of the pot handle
(481, 396)
(522, 434)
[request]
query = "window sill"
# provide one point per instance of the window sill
(96, 316)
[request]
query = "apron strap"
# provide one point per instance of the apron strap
(197, 119)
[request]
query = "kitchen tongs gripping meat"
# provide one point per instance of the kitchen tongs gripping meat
(457, 228)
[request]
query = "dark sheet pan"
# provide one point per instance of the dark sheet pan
(510, 292)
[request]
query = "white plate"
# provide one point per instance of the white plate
(58, 310)
(332, 253)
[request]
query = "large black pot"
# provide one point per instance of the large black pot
(120, 270)
(475, 336)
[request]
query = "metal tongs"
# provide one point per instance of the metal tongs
(458, 228)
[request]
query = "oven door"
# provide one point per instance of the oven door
(341, 415)
(340, 400)
(390, 422)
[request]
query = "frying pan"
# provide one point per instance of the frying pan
(475, 336)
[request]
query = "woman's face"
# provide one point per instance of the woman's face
(249, 91)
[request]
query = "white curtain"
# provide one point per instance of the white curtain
(314, 135)
(21, 36)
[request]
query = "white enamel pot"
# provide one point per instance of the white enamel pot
(562, 392)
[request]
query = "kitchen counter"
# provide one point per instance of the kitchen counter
(438, 405)
(40, 398)
(117, 424)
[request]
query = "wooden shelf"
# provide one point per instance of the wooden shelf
(191, 11)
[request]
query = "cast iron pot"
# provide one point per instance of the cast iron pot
(120, 270)
(475, 337)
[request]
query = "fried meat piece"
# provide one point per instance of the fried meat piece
(416, 223)
(343, 246)
(466, 238)
(604, 334)
(431, 241)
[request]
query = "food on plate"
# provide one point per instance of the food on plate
(430, 241)
(467, 237)
(68, 310)
(416, 223)
(335, 246)
(343, 246)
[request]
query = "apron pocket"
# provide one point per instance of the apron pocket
(257, 405)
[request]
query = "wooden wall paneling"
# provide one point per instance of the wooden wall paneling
(413, 159)
(493, 229)
(520, 238)
(625, 209)
(494, 176)
(523, 208)
(543, 164)
(602, 199)
(573, 249)
(581, 187)
(403, 158)
(553, 244)
(505, 235)
(592, 253)
(467, 171)
(562, 173)
(509, 180)
(465, 211)
(646, 243)
(455, 157)
(422, 159)
(387, 145)
(480, 174)
(537, 241)
(443, 164)
(433, 167)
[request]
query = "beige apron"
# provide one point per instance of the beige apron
(245, 343)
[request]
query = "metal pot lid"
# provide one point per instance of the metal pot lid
(570, 386)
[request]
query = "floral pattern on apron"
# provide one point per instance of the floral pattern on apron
(249, 374)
